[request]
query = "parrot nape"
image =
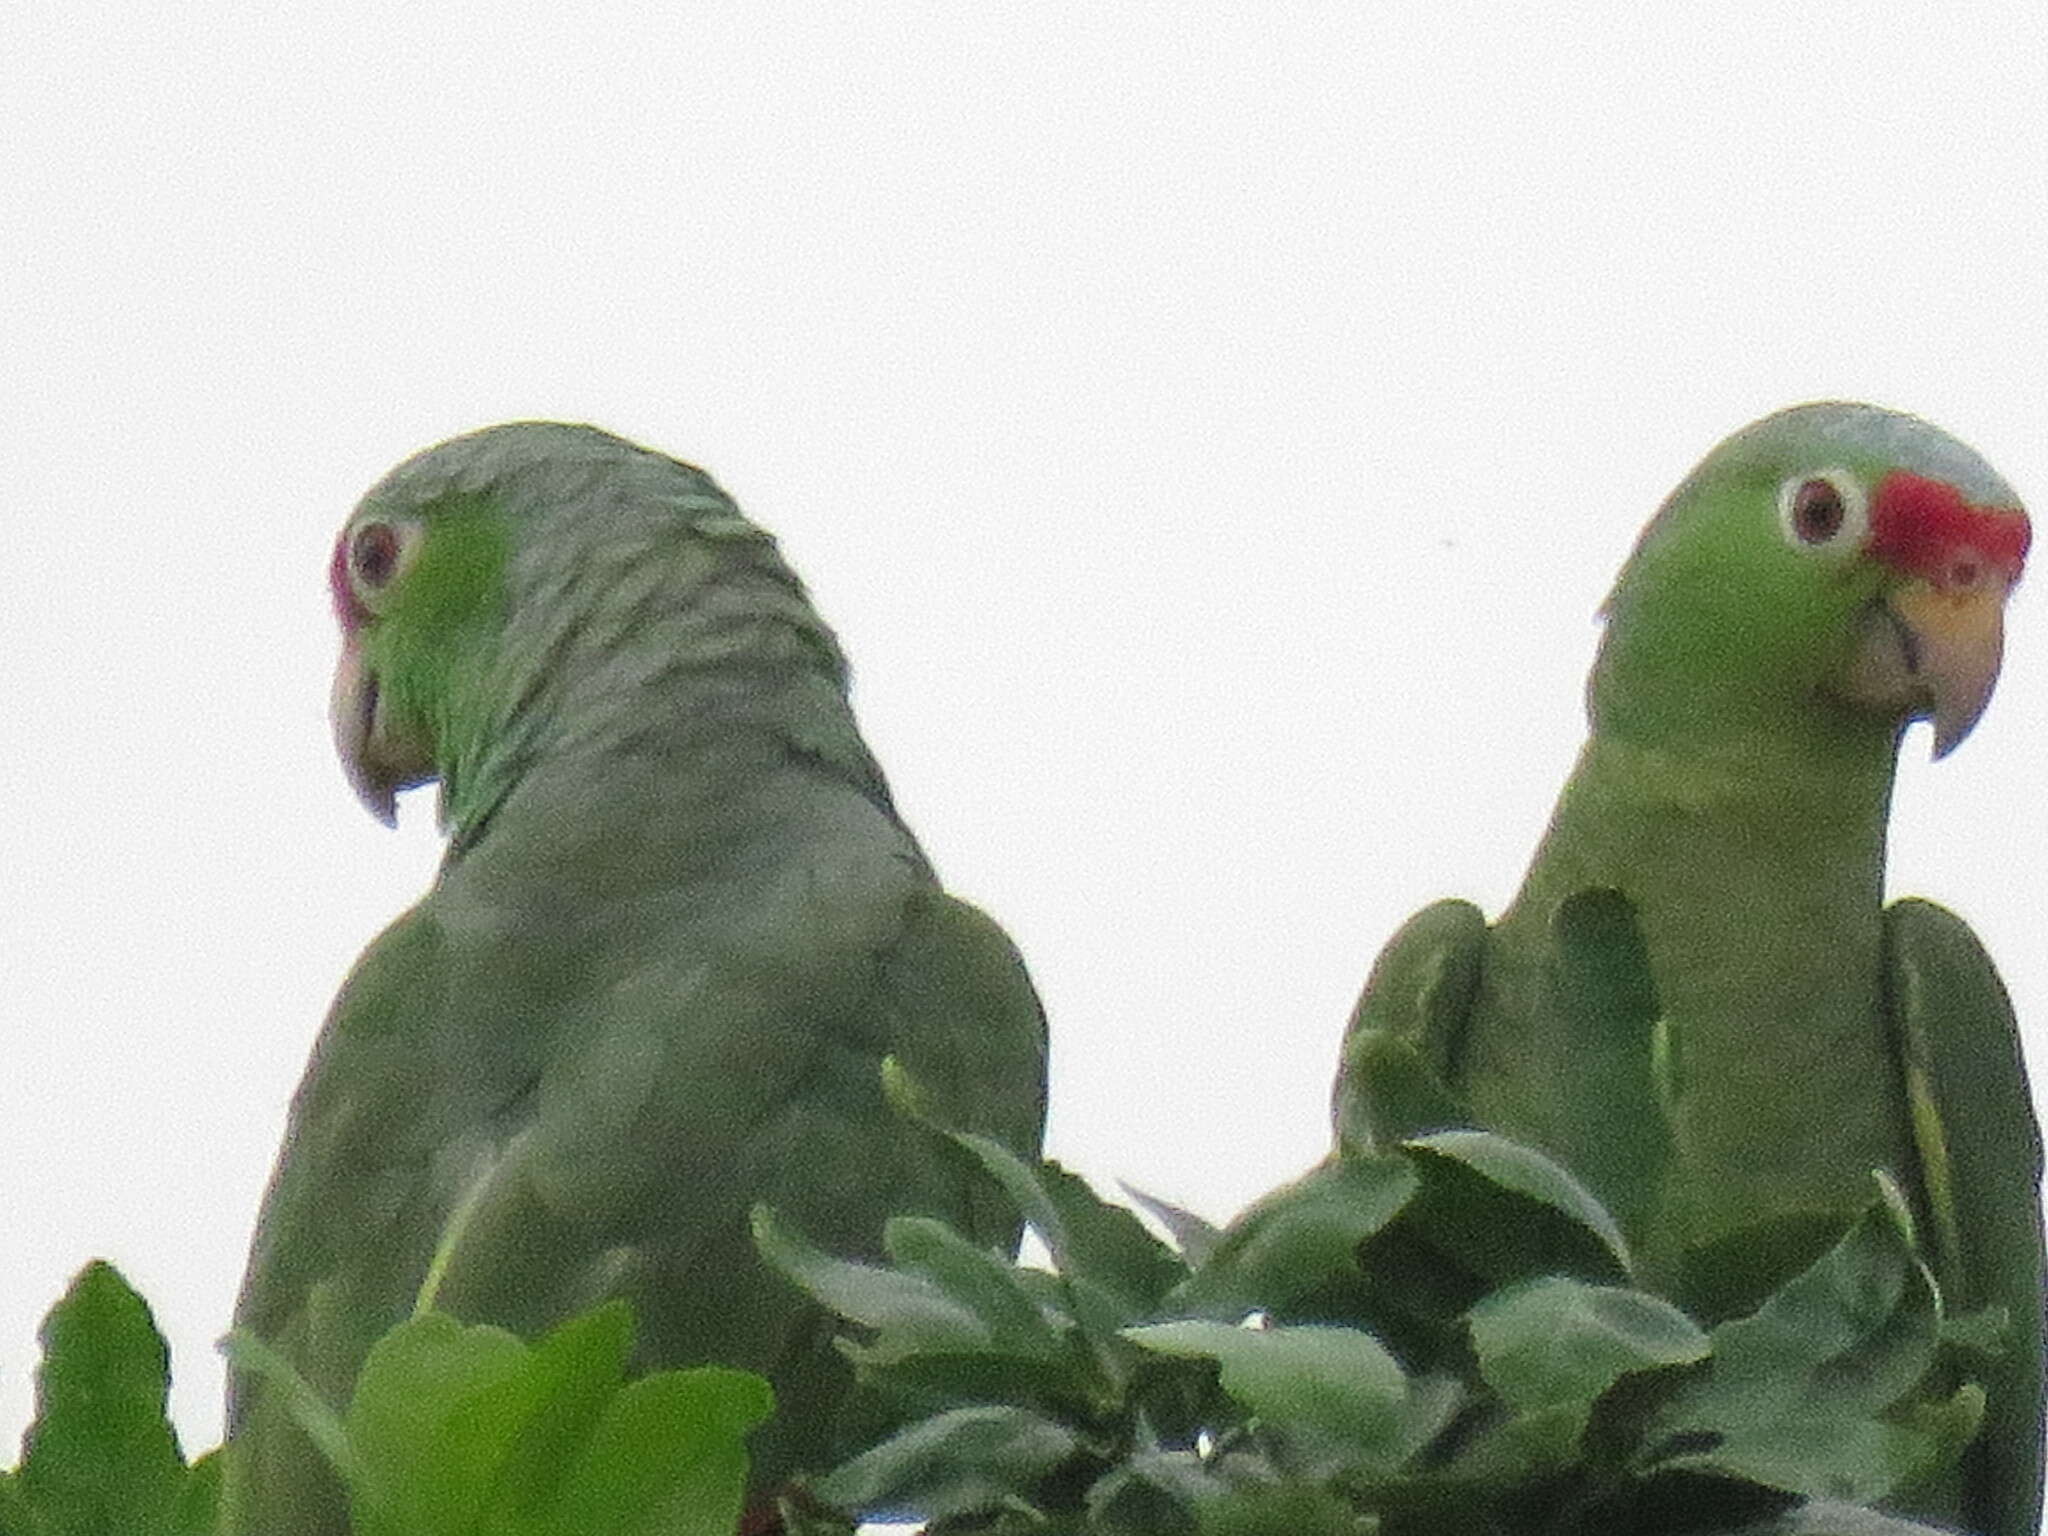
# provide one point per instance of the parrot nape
(1698, 1000)
(678, 927)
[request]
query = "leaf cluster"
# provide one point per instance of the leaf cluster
(452, 1431)
(1435, 1335)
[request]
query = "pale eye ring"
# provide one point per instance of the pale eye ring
(1823, 510)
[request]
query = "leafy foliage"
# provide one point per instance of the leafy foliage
(452, 1429)
(100, 1456)
(1433, 1335)
(459, 1430)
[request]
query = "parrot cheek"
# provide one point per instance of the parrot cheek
(378, 759)
(1933, 651)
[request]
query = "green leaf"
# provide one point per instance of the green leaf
(1556, 1341)
(572, 1376)
(1802, 1395)
(1864, 1320)
(961, 1462)
(435, 1412)
(100, 1456)
(667, 1458)
(1105, 1244)
(1294, 1253)
(1195, 1236)
(1503, 1379)
(1089, 1238)
(979, 1281)
(1501, 1455)
(1482, 1212)
(1573, 1214)
(1337, 1385)
(1087, 1235)
(1495, 1211)
(908, 1312)
(1551, 1349)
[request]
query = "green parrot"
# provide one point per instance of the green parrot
(1698, 1000)
(678, 928)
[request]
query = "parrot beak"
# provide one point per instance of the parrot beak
(1957, 643)
(1935, 649)
(379, 762)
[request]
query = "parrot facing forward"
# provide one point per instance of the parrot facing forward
(678, 927)
(1698, 1000)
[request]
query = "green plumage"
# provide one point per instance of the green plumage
(678, 928)
(1698, 1000)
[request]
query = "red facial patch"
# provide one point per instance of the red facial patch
(349, 612)
(1924, 526)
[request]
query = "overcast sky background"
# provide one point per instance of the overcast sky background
(1210, 429)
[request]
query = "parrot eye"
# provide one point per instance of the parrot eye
(1824, 511)
(1816, 511)
(374, 554)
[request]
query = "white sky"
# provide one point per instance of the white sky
(1210, 436)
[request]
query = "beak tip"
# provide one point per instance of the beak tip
(379, 796)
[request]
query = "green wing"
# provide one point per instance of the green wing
(969, 1029)
(1980, 1179)
(1401, 1048)
(1601, 1108)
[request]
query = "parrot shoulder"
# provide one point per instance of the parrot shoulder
(1425, 980)
(1401, 1047)
(352, 1140)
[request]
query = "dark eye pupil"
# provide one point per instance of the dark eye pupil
(374, 554)
(1817, 511)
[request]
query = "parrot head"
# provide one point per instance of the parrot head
(1833, 557)
(485, 579)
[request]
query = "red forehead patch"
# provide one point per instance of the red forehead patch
(1920, 525)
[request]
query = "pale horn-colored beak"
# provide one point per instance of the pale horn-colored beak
(379, 762)
(1955, 641)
